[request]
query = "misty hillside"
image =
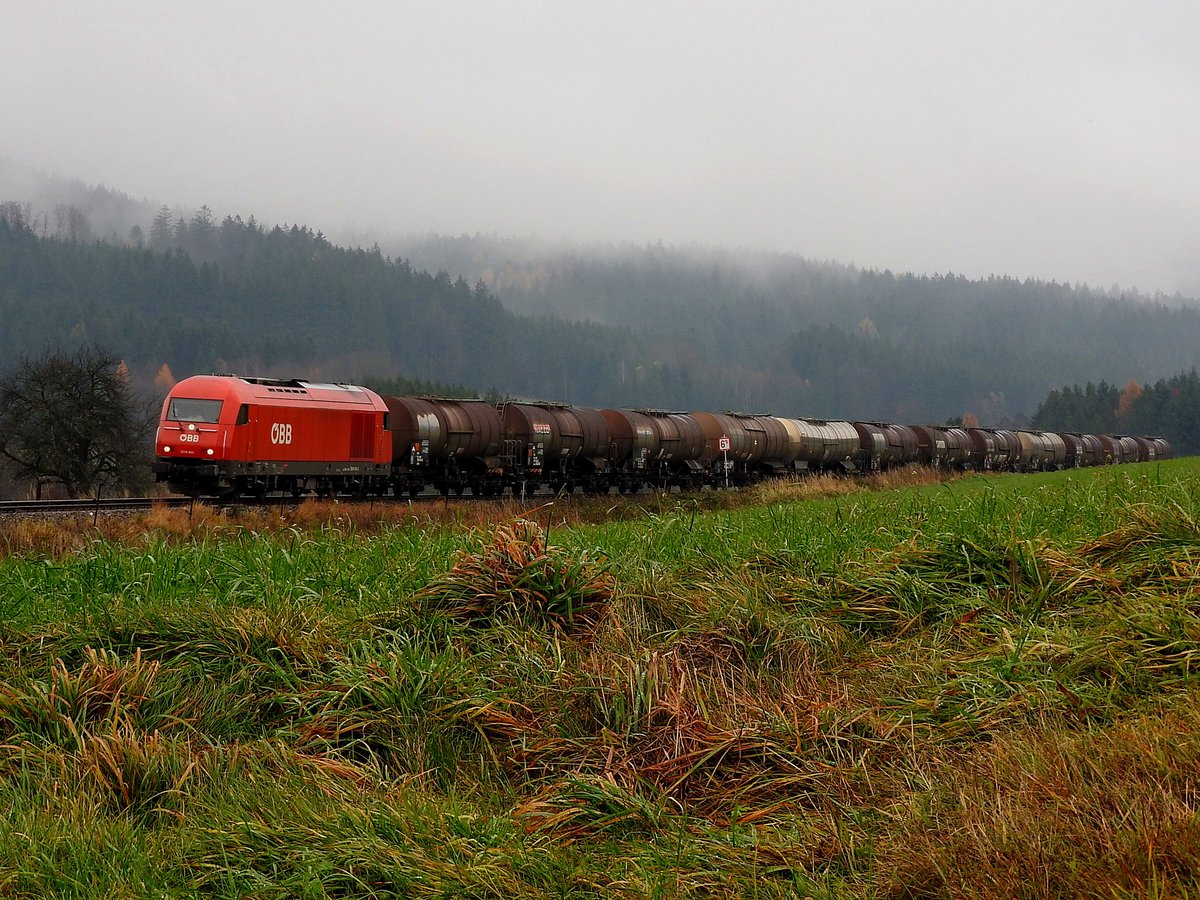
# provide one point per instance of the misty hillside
(284, 301)
(844, 341)
(621, 325)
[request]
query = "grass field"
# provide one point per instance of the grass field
(980, 687)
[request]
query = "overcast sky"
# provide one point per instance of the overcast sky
(1059, 140)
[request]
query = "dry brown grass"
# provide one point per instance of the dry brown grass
(784, 490)
(43, 537)
(1112, 812)
(62, 535)
(729, 724)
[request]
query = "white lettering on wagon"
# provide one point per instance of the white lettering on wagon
(281, 433)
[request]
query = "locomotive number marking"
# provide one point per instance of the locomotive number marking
(281, 433)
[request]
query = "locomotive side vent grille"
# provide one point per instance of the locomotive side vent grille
(362, 436)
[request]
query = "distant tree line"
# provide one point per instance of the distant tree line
(1168, 408)
(399, 386)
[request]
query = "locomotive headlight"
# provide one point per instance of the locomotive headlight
(166, 448)
(209, 451)
(192, 426)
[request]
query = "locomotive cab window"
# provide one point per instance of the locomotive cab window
(185, 410)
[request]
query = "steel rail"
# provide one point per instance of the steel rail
(89, 505)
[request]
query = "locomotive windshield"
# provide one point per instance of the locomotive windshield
(184, 410)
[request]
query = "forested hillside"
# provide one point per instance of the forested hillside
(627, 325)
(239, 297)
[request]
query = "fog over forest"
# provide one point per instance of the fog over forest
(1050, 141)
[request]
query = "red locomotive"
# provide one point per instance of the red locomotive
(227, 435)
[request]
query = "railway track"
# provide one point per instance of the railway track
(87, 506)
(117, 505)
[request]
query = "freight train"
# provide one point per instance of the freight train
(226, 436)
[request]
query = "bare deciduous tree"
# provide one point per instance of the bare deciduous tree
(73, 419)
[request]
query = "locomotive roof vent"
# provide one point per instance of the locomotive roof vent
(267, 382)
(316, 385)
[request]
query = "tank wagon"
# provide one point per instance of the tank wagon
(228, 436)
(448, 444)
(822, 446)
(944, 447)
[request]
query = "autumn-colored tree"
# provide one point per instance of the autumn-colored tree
(164, 380)
(1128, 398)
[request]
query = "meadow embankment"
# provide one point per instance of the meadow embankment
(977, 687)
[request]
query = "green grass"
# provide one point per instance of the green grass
(985, 687)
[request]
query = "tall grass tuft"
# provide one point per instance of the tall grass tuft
(518, 575)
(102, 696)
(405, 705)
(139, 773)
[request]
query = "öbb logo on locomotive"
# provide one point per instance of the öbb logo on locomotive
(355, 441)
(281, 433)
